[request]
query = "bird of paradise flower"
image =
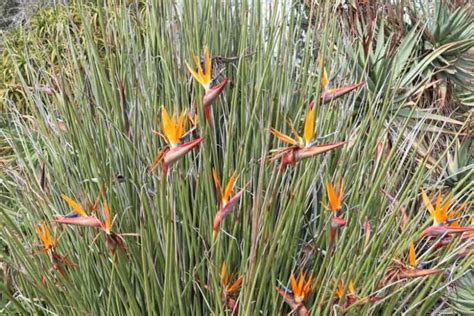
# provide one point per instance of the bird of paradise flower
(48, 246)
(300, 147)
(300, 290)
(204, 77)
(173, 128)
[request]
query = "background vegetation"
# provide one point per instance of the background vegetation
(81, 92)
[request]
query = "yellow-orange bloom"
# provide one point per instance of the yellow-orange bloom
(340, 289)
(439, 211)
(351, 287)
(284, 138)
(301, 142)
(45, 236)
(226, 280)
(112, 239)
(454, 214)
(173, 127)
(329, 94)
(301, 288)
(335, 196)
(226, 199)
(309, 126)
(300, 147)
(324, 75)
(351, 296)
(203, 76)
(224, 195)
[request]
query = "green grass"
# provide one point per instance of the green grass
(398, 141)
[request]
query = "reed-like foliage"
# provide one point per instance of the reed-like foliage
(94, 130)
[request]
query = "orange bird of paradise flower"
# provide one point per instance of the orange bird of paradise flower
(112, 239)
(439, 212)
(453, 222)
(49, 245)
(351, 296)
(300, 290)
(335, 196)
(173, 128)
(231, 288)
(82, 219)
(226, 200)
(401, 270)
(204, 77)
(330, 94)
(300, 147)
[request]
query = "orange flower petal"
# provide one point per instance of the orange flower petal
(74, 205)
(204, 77)
(44, 235)
(158, 158)
(333, 198)
(217, 184)
(236, 285)
(167, 125)
(179, 127)
(194, 74)
(308, 285)
(351, 287)
(309, 126)
(427, 202)
(294, 285)
(340, 289)
(223, 274)
(301, 283)
(229, 188)
(324, 76)
(108, 218)
(197, 62)
(412, 254)
(208, 65)
(284, 138)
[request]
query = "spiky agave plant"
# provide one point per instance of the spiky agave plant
(458, 163)
(453, 29)
(461, 295)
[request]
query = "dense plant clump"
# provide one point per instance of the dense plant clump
(238, 157)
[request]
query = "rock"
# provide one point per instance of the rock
(15, 12)
(9, 12)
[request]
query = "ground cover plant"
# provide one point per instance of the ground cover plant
(238, 157)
